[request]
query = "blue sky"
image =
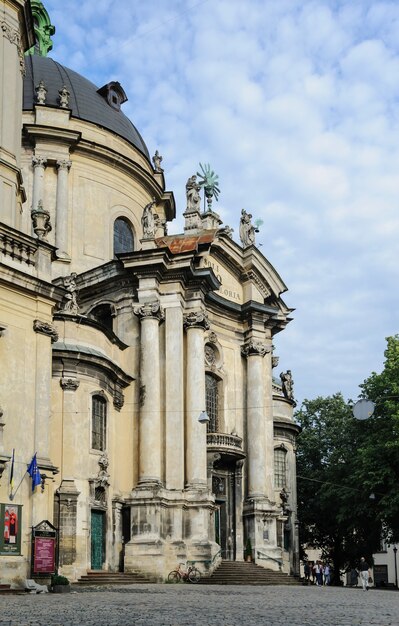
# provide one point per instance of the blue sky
(295, 104)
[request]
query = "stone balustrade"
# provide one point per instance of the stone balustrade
(223, 440)
(16, 245)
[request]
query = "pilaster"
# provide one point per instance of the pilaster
(61, 222)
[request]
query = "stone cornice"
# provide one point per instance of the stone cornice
(82, 320)
(54, 134)
(82, 361)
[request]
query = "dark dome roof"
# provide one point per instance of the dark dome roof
(84, 100)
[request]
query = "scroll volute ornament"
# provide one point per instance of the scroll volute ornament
(196, 319)
(150, 310)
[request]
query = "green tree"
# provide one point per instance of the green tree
(378, 452)
(335, 512)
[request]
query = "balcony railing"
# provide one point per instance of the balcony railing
(16, 245)
(222, 440)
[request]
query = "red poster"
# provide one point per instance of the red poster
(44, 555)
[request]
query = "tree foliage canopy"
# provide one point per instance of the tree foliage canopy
(348, 471)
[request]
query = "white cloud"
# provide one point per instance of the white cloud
(295, 105)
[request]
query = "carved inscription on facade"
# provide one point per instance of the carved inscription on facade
(230, 288)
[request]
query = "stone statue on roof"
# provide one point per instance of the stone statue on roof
(192, 193)
(287, 384)
(63, 97)
(157, 160)
(247, 229)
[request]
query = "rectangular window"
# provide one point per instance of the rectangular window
(98, 423)
(280, 471)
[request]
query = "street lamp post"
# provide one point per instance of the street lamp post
(396, 568)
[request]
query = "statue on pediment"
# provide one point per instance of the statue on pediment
(192, 193)
(247, 229)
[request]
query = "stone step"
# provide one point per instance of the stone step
(241, 573)
(111, 578)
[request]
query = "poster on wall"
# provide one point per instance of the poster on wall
(10, 535)
(44, 546)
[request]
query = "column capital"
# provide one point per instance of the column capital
(39, 161)
(196, 319)
(150, 310)
(64, 164)
(255, 348)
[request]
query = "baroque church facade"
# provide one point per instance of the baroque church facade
(137, 365)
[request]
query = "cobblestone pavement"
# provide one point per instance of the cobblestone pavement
(185, 605)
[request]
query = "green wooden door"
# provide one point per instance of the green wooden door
(97, 539)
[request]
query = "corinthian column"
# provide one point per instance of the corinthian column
(259, 437)
(39, 163)
(150, 315)
(196, 468)
(174, 399)
(61, 224)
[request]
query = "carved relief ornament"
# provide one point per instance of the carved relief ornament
(196, 319)
(150, 309)
(255, 348)
(69, 384)
(14, 37)
(44, 328)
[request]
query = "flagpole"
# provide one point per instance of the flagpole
(12, 495)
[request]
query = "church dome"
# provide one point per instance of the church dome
(86, 101)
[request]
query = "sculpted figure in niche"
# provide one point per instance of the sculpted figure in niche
(192, 193)
(71, 304)
(247, 229)
(287, 384)
(149, 221)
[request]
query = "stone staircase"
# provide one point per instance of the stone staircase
(241, 573)
(96, 578)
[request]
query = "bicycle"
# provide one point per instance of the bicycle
(191, 574)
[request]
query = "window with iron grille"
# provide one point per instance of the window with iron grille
(99, 494)
(280, 468)
(212, 402)
(123, 236)
(98, 422)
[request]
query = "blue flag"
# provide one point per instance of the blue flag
(34, 473)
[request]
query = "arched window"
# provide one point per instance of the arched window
(103, 314)
(98, 423)
(123, 236)
(212, 402)
(280, 468)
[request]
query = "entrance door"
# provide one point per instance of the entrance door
(223, 488)
(97, 539)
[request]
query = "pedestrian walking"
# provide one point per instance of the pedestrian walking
(364, 570)
(327, 574)
(306, 571)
